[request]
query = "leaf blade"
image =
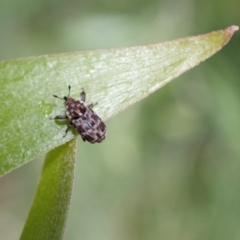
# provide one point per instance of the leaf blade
(115, 78)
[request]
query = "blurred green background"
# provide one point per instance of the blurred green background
(170, 165)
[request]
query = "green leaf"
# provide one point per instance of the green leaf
(114, 78)
(47, 217)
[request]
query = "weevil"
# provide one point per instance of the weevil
(88, 124)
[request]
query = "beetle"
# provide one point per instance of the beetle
(88, 124)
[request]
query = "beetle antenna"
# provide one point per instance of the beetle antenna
(69, 88)
(58, 97)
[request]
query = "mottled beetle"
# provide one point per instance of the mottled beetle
(83, 118)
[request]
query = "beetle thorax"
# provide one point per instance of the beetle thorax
(75, 108)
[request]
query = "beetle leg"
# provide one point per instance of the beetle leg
(59, 117)
(92, 105)
(67, 129)
(83, 138)
(83, 95)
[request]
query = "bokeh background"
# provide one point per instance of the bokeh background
(170, 166)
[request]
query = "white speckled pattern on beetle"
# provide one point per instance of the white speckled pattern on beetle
(83, 118)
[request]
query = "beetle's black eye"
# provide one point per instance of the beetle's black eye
(65, 98)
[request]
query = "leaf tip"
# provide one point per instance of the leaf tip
(232, 29)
